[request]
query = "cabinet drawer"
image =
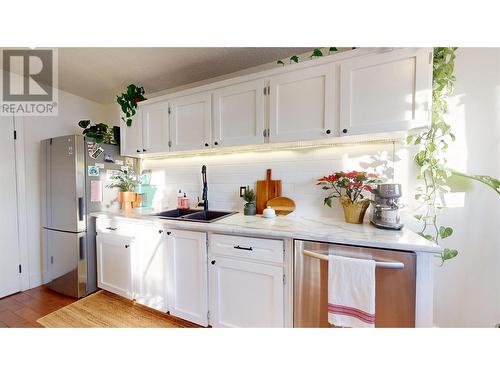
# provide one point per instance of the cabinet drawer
(113, 226)
(247, 247)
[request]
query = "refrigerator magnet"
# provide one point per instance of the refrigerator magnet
(119, 162)
(93, 171)
(95, 191)
(108, 158)
(99, 165)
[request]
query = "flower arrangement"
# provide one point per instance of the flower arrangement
(350, 188)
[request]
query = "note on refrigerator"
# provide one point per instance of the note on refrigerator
(95, 191)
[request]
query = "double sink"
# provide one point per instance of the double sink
(204, 216)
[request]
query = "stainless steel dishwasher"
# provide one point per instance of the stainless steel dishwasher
(394, 278)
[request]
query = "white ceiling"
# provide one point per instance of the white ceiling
(99, 74)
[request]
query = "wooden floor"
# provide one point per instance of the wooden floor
(23, 309)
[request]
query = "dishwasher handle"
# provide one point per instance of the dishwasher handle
(378, 263)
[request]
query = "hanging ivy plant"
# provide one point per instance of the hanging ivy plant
(317, 52)
(431, 156)
(128, 102)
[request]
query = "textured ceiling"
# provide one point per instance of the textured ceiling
(99, 74)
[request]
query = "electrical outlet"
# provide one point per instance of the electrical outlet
(243, 190)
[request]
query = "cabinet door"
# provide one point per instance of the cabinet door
(190, 122)
(187, 284)
(239, 114)
(150, 267)
(302, 104)
(155, 128)
(245, 294)
(131, 136)
(386, 92)
(114, 264)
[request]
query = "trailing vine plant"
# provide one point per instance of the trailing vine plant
(128, 102)
(431, 156)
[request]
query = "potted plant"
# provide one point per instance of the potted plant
(249, 197)
(100, 132)
(127, 183)
(349, 187)
(128, 102)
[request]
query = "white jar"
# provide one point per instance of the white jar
(269, 212)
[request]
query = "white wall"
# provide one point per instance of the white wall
(71, 109)
(467, 289)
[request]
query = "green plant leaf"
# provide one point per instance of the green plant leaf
(328, 202)
(448, 254)
(445, 231)
(332, 49)
(316, 53)
(83, 123)
(294, 58)
(280, 62)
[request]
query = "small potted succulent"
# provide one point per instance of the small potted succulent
(249, 197)
(350, 188)
(127, 197)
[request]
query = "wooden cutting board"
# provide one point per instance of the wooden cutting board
(282, 205)
(267, 189)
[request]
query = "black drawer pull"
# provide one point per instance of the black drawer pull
(127, 246)
(243, 248)
(169, 233)
(160, 231)
(111, 228)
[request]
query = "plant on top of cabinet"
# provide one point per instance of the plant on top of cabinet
(100, 132)
(128, 102)
(127, 183)
(249, 197)
(317, 52)
(349, 187)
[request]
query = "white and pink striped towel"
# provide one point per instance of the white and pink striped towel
(351, 292)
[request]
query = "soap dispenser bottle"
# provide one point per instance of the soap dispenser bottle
(179, 199)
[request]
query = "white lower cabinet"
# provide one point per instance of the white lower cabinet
(245, 294)
(150, 270)
(114, 263)
(187, 281)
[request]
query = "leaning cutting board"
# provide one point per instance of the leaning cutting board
(282, 205)
(267, 189)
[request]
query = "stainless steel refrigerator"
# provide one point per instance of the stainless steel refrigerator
(75, 172)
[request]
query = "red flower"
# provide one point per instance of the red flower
(136, 100)
(368, 187)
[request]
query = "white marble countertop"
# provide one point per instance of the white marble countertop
(296, 227)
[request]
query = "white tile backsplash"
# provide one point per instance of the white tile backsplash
(298, 169)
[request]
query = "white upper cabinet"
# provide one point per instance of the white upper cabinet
(302, 104)
(131, 137)
(386, 92)
(187, 279)
(239, 114)
(190, 122)
(155, 128)
(149, 132)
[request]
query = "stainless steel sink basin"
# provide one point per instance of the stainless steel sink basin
(173, 214)
(195, 215)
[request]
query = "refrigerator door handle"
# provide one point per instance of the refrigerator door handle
(80, 208)
(81, 253)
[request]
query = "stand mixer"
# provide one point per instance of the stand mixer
(386, 206)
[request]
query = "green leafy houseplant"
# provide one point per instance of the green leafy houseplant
(249, 197)
(431, 156)
(128, 102)
(100, 132)
(126, 181)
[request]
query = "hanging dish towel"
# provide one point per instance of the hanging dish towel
(351, 292)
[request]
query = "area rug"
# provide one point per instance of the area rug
(106, 310)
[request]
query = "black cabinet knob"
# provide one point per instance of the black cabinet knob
(169, 233)
(344, 131)
(206, 144)
(144, 149)
(160, 231)
(213, 262)
(138, 150)
(216, 143)
(328, 131)
(126, 246)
